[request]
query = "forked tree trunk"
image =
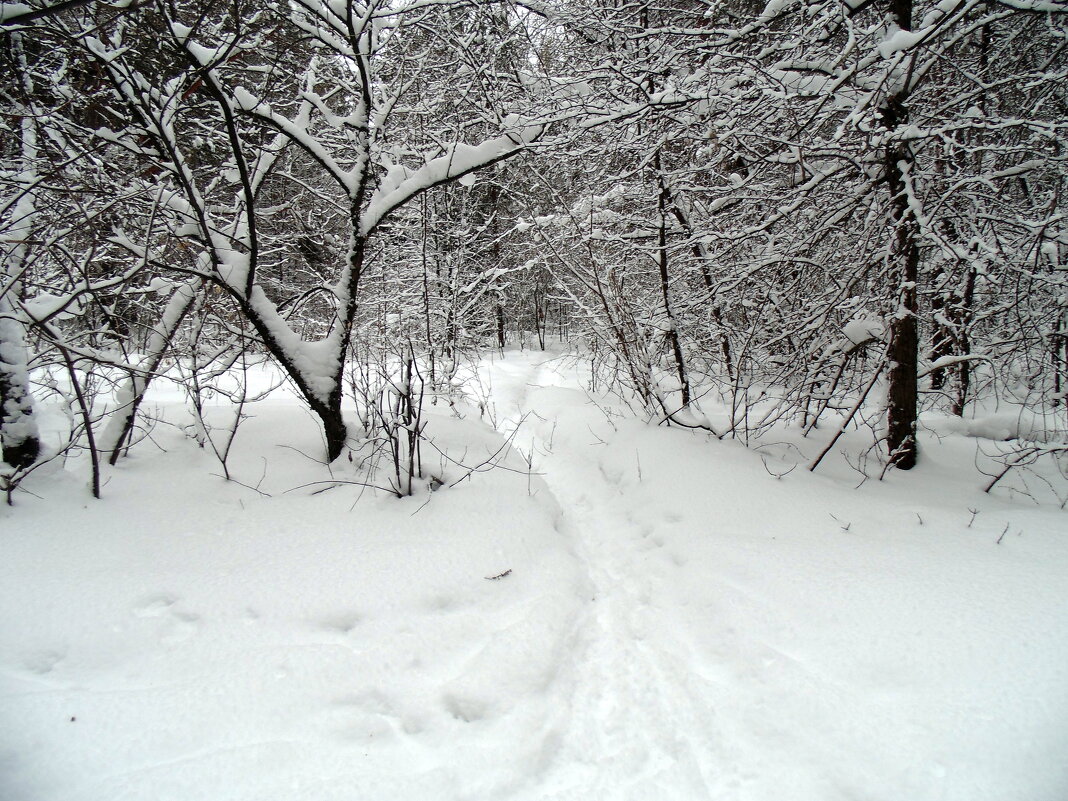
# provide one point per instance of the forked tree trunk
(700, 252)
(119, 430)
(663, 202)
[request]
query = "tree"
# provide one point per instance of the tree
(18, 226)
(326, 106)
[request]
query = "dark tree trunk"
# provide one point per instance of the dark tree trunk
(540, 324)
(903, 350)
(943, 338)
(334, 429)
(902, 393)
(672, 333)
(701, 254)
(964, 318)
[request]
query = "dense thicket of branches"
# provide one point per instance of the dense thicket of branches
(746, 214)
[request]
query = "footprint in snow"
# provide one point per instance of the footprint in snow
(156, 605)
(362, 717)
(447, 603)
(650, 541)
(43, 662)
(177, 625)
(340, 623)
(468, 710)
(678, 559)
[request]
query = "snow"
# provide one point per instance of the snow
(1001, 426)
(16, 414)
(45, 305)
(1036, 6)
(457, 162)
(316, 361)
(11, 11)
(649, 614)
(773, 9)
(863, 329)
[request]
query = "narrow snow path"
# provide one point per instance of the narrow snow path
(633, 726)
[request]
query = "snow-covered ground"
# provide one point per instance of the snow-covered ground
(672, 622)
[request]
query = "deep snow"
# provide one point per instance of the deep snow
(676, 623)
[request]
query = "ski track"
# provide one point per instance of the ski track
(635, 726)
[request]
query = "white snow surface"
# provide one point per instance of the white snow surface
(674, 622)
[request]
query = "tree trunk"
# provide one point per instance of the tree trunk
(18, 430)
(964, 318)
(119, 430)
(903, 350)
(671, 333)
(19, 439)
(943, 338)
(904, 260)
(334, 429)
(700, 252)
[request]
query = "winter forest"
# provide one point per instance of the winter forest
(563, 399)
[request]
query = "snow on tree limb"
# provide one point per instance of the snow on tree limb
(458, 161)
